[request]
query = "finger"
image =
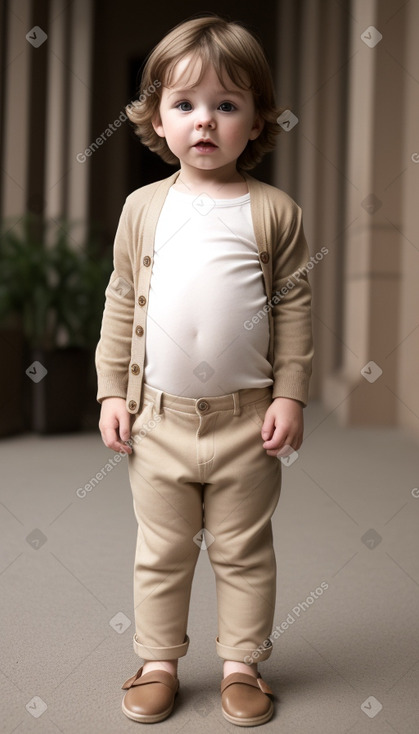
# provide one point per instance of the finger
(125, 428)
(109, 436)
(125, 449)
(124, 446)
(267, 428)
(295, 441)
(120, 447)
(111, 440)
(287, 449)
(281, 452)
(278, 439)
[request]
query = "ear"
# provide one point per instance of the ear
(158, 125)
(257, 128)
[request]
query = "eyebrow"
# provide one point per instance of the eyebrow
(217, 91)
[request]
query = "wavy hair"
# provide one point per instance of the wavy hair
(231, 49)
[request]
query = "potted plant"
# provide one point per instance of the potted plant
(53, 288)
(11, 399)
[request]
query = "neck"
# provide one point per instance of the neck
(220, 181)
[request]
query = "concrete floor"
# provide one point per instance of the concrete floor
(348, 662)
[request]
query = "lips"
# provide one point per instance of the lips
(205, 143)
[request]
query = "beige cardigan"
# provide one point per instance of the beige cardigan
(283, 251)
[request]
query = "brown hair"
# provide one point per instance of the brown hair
(230, 48)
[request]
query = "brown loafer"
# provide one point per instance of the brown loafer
(244, 699)
(150, 697)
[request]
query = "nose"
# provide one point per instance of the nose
(204, 119)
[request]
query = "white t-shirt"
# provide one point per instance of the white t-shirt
(206, 281)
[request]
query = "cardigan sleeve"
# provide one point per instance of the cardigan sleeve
(291, 311)
(113, 351)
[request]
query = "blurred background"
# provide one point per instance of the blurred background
(347, 70)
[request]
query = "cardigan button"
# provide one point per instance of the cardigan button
(141, 301)
(132, 405)
(139, 330)
(135, 369)
(146, 261)
(264, 256)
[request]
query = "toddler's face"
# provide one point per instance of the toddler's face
(226, 116)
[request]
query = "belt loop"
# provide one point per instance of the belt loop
(236, 402)
(158, 401)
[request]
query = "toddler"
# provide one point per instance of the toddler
(204, 360)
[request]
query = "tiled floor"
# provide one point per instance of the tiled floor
(348, 661)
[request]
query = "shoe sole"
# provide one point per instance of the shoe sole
(148, 718)
(253, 721)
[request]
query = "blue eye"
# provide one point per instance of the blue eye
(229, 105)
(180, 106)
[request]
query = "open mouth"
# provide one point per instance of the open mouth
(204, 144)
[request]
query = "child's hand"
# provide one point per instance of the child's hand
(115, 424)
(283, 426)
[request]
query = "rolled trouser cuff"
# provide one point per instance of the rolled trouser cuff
(244, 655)
(161, 653)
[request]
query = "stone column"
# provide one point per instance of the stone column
(80, 100)
(288, 63)
(16, 112)
(407, 350)
(309, 157)
(329, 187)
(362, 390)
(312, 70)
(57, 112)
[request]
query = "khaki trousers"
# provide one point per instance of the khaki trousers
(198, 469)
